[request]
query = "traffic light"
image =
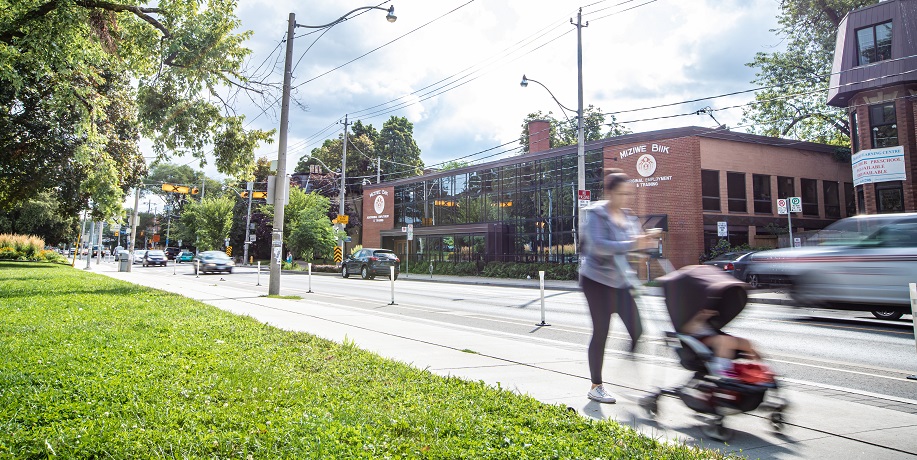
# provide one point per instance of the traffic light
(243, 195)
(194, 191)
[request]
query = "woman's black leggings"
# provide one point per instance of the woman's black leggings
(603, 301)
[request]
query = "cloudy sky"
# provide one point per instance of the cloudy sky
(453, 67)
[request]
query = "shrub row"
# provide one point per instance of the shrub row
(497, 269)
(26, 248)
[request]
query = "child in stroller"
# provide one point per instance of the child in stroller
(701, 300)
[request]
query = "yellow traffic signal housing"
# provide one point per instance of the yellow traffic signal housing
(194, 191)
(243, 195)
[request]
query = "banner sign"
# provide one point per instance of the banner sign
(878, 165)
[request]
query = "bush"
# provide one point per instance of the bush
(496, 269)
(26, 248)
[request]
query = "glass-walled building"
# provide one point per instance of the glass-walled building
(518, 210)
(688, 182)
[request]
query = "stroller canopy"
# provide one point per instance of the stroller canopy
(697, 287)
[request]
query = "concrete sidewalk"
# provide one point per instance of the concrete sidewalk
(823, 422)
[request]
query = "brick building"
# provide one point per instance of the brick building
(875, 78)
(523, 208)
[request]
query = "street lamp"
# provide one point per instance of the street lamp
(281, 184)
(580, 138)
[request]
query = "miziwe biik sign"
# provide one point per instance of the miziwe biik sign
(878, 165)
(647, 164)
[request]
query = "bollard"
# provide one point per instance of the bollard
(541, 282)
(431, 269)
(913, 289)
(174, 268)
(259, 274)
(391, 277)
(310, 278)
(197, 268)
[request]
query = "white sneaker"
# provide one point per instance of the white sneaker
(599, 394)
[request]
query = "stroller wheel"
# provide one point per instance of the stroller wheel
(717, 431)
(777, 421)
(650, 404)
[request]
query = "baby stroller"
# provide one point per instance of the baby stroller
(687, 292)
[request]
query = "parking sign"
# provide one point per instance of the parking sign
(722, 229)
(781, 206)
(795, 204)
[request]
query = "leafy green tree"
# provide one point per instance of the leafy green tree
(208, 221)
(397, 148)
(565, 132)
(795, 81)
(78, 77)
(307, 230)
(41, 217)
(454, 164)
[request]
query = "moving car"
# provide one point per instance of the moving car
(370, 262)
(728, 261)
(213, 261)
(171, 253)
(138, 256)
(185, 256)
(154, 257)
(862, 263)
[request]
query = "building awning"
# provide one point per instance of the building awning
(655, 221)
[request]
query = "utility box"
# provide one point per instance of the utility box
(124, 265)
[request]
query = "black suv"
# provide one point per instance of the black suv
(172, 253)
(371, 262)
(154, 257)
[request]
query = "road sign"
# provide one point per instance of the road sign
(797, 242)
(337, 254)
(342, 219)
(781, 206)
(584, 197)
(172, 188)
(795, 204)
(404, 229)
(410, 232)
(722, 229)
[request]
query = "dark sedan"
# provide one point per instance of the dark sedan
(728, 261)
(213, 261)
(371, 262)
(154, 257)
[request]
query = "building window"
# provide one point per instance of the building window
(874, 43)
(861, 200)
(883, 125)
(889, 197)
(710, 190)
(809, 197)
(735, 189)
(761, 187)
(785, 188)
(850, 199)
(832, 200)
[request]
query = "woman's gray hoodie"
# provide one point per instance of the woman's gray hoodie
(605, 245)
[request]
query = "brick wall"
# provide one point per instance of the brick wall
(377, 219)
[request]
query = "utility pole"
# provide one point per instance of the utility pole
(378, 169)
(580, 137)
(280, 184)
(134, 226)
(92, 227)
(343, 185)
(248, 223)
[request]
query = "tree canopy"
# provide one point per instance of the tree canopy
(793, 100)
(82, 80)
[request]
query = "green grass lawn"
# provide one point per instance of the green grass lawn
(98, 368)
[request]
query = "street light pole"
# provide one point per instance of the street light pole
(580, 137)
(280, 185)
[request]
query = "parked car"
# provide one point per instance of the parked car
(213, 261)
(138, 256)
(171, 253)
(728, 261)
(185, 256)
(154, 257)
(862, 263)
(370, 262)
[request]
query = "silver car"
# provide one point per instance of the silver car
(862, 263)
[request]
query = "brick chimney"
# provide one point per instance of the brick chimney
(539, 135)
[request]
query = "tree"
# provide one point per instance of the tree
(795, 81)
(41, 217)
(68, 103)
(208, 221)
(397, 148)
(565, 132)
(454, 164)
(307, 230)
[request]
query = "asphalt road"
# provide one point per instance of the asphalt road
(833, 349)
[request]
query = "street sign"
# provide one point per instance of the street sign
(404, 229)
(795, 204)
(337, 254)
(410, 232)
(797, 242)
(251, 237)
(226, 242)
(584, 197)
(179, 243)
(781, 206)
(342, 219)
(722, 229)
